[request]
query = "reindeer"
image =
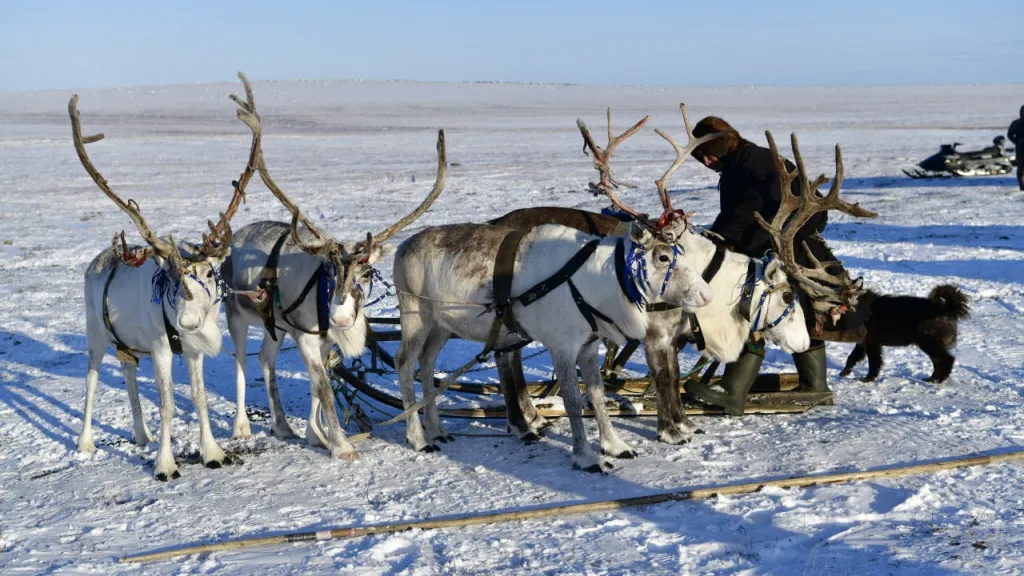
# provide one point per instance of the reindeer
(572, 289)
(753, 298)
(158, 301)
(289, 261)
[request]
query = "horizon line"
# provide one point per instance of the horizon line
(515, 83)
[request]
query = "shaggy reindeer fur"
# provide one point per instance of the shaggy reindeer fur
(725, 330)
(443, 274)
(250, 249)
(928, 323)
(139, 323)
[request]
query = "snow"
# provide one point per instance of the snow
(357, 154)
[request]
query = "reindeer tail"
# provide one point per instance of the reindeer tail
(954, 302)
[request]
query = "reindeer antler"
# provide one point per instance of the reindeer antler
(828, 291)
(442, 171)
(167, 250)
(681, 155)
(602, 159)
(322, 243)
(217, 243)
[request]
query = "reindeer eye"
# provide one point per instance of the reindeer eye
(787, 297)
(209, 273)
(664, 258)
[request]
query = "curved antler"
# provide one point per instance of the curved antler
(218, 242)
(681, 155)
(828, 291)
(602, 159)
(166, 250)
(442, 172)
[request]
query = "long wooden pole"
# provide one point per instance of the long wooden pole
(586, 507)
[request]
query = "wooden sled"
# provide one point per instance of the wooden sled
(627, 397)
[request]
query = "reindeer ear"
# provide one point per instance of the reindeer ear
(639, 234)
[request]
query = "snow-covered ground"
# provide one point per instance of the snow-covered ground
(355, 155)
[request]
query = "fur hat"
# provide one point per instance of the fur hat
(719, 147)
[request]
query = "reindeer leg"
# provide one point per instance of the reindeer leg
(590, 366)
(268, 364)
(239, 331)
(537, 422)
(165, 467)
(414, 339)
(428, 357)
(213, 455)
(92, 375)
(517, 421)
(320, 388)
(140, 432)
(674, 427)
(583, 457)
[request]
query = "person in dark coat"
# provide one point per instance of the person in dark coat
(749, 184)
(1015, 134)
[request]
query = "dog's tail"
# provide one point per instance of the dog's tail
(954, 303)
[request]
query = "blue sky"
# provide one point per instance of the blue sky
(96, 43)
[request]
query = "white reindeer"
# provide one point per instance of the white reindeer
(444, 274)
(155, 302)
(753, 297)
(318, 286)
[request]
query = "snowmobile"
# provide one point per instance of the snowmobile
(949, 162)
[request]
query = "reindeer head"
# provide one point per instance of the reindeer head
(667, 242)
(831, 293)
(352, 262)
(187, 280)
(774, 309)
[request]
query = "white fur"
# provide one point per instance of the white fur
(725, 329)
(139, 323)
(553, 320)
(250, 248)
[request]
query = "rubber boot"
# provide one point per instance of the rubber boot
(737, 379)
(812, 369)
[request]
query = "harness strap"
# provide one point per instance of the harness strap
(563, 275)
(588, 311)
(747, 294)
(504, 266)
(172, 333)
(708, 275)
(268, 282)
(124, 352)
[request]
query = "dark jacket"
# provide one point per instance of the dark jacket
(749, 184)
(1015, 133)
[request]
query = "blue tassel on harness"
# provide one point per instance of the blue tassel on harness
(636, 275)
(325, 288)
(161, 282)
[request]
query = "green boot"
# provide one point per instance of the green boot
(739, 376)
(811, 368)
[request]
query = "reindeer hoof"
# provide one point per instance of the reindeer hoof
(844, 373)
(699, 431)
(213, 464)
(624, 455)
(867, 379)
(163, 477)
(592, 469)
(429, 448)
(444, 438)
(530, 438)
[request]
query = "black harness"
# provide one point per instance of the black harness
(502, 286)
(708, 274)
(268, 281)
(126, 353)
